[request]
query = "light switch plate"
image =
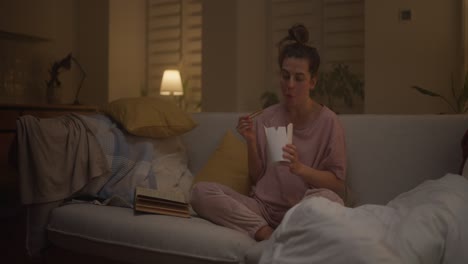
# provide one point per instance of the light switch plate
(405, 14)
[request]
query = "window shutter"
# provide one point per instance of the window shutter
(174, 41)
(284, 14)
(343, 34)
(336, 29)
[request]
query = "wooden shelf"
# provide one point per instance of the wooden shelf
(55, 107)
(5, 35)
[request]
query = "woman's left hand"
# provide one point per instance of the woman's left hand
(290, 153)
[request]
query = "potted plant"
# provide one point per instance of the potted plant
(459, 100)
(339, 84)
(53, 84)
(269, 98)
(54, 89)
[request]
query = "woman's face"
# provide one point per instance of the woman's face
(296, 81)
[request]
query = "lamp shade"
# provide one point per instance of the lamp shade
(171, 83)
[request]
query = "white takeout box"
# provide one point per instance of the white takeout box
(277, 138)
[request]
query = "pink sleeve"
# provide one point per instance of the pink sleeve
(335, 158)
(261, 143)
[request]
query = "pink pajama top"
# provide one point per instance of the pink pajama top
(321, 145)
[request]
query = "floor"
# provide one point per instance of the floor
(12, 238)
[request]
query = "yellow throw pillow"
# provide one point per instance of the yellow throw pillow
(153, 117)
(228, 165)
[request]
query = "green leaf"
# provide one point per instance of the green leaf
(425, 91)
(348, 98)
(429, 93)
(269, 98)
(464, 94)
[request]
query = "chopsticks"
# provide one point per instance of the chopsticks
(256, 113)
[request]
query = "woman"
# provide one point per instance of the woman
(316, 158)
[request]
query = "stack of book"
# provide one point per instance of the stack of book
(161, 202)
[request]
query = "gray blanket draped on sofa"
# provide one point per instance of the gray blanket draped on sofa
(54, 157)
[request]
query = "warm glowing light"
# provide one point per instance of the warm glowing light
(171, 83)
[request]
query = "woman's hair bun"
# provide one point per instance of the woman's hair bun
(295, 45)
(299, 33)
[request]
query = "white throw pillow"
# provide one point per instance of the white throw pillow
(170, 165)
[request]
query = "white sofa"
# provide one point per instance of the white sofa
(387, 155)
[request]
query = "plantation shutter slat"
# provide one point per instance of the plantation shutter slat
(284, 14)
(343, 36)
(174, 31)
(336, 29)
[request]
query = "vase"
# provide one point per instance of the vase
(54, 94)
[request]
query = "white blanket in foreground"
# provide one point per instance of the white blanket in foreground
(425, 225)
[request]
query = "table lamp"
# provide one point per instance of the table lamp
(171, 83)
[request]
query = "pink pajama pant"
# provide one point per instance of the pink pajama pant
(224, 206)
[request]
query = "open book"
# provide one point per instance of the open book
(161, 202)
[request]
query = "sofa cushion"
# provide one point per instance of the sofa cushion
(120, 234)
(394, 153)
(228, 165)
(203, 140)
(153, 117)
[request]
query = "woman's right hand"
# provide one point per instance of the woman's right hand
(245, 128)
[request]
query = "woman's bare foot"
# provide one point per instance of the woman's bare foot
(263, 233)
